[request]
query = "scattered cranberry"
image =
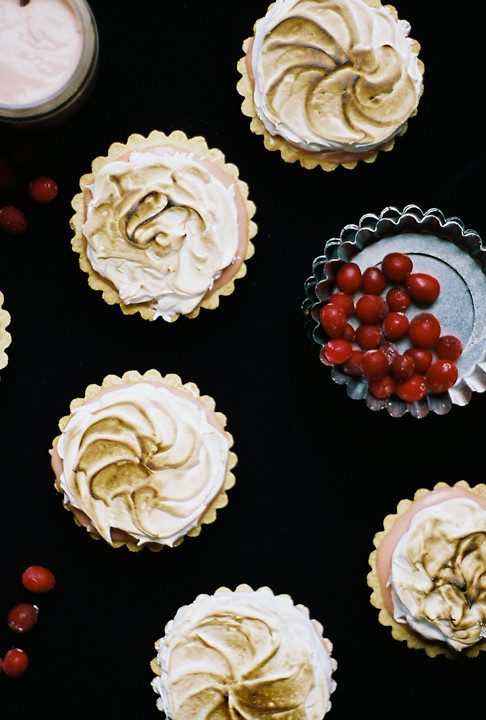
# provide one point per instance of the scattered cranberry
(15, 663)
(424, 330)
(348, 277)
(395, 325)
(38, 579)
(354, 366)
(373, 281)
(422, 288)
(368, 336)
(402, 367)
(344, 301)
(448, 347)
(421, 357)
(413, 389)
(441, 375)
(370, 309)
(375, 364)
(337, 351)
(382, 388)
(333, 320)
(22, 617)
(398, 299)
(13, 220)
(396, 266)
(43, 189)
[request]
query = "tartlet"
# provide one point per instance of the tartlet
(143, 460)
(330, 83)
(163, 225)
(245, 653)
(440, 246)
(429, 571)
(5, 337)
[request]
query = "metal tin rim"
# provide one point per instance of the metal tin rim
(353, 240)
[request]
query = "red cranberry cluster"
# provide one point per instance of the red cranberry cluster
(41, 189)
(369, 351)
(23, 617)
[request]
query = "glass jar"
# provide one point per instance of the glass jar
(67, 99)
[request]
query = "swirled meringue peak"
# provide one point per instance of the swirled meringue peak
(334, 75)
(244, 654)
(144, 459)
(438, 573)
(161, 227)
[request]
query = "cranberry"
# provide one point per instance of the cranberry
(13, 220)
(395, 325)
(15, 663)
(398, 299)
(354, 366)
(373, 281)
(448, 347)
(383, 387)
(422, 288)
(402, 367)
(344, 301)
(370, 309)
(348, 333)
(22, 617)
(333, 320)
(348, 277)
(43, 189)
(368, 336)
(424, 330)
(375, 364)
(396, 266)
(421, 357)
(38, 579)
(413, 389)
(337, 351)
(441, 375)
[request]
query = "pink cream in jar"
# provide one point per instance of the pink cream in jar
(48, 58)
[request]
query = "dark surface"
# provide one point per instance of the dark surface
(317, 471)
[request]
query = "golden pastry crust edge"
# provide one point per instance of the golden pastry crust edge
(5, 337)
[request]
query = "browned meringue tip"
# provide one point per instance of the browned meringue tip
(400, 631)
(171, 381)
(245, 588)
(137, 142)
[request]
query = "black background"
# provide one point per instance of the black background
(317, 471)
